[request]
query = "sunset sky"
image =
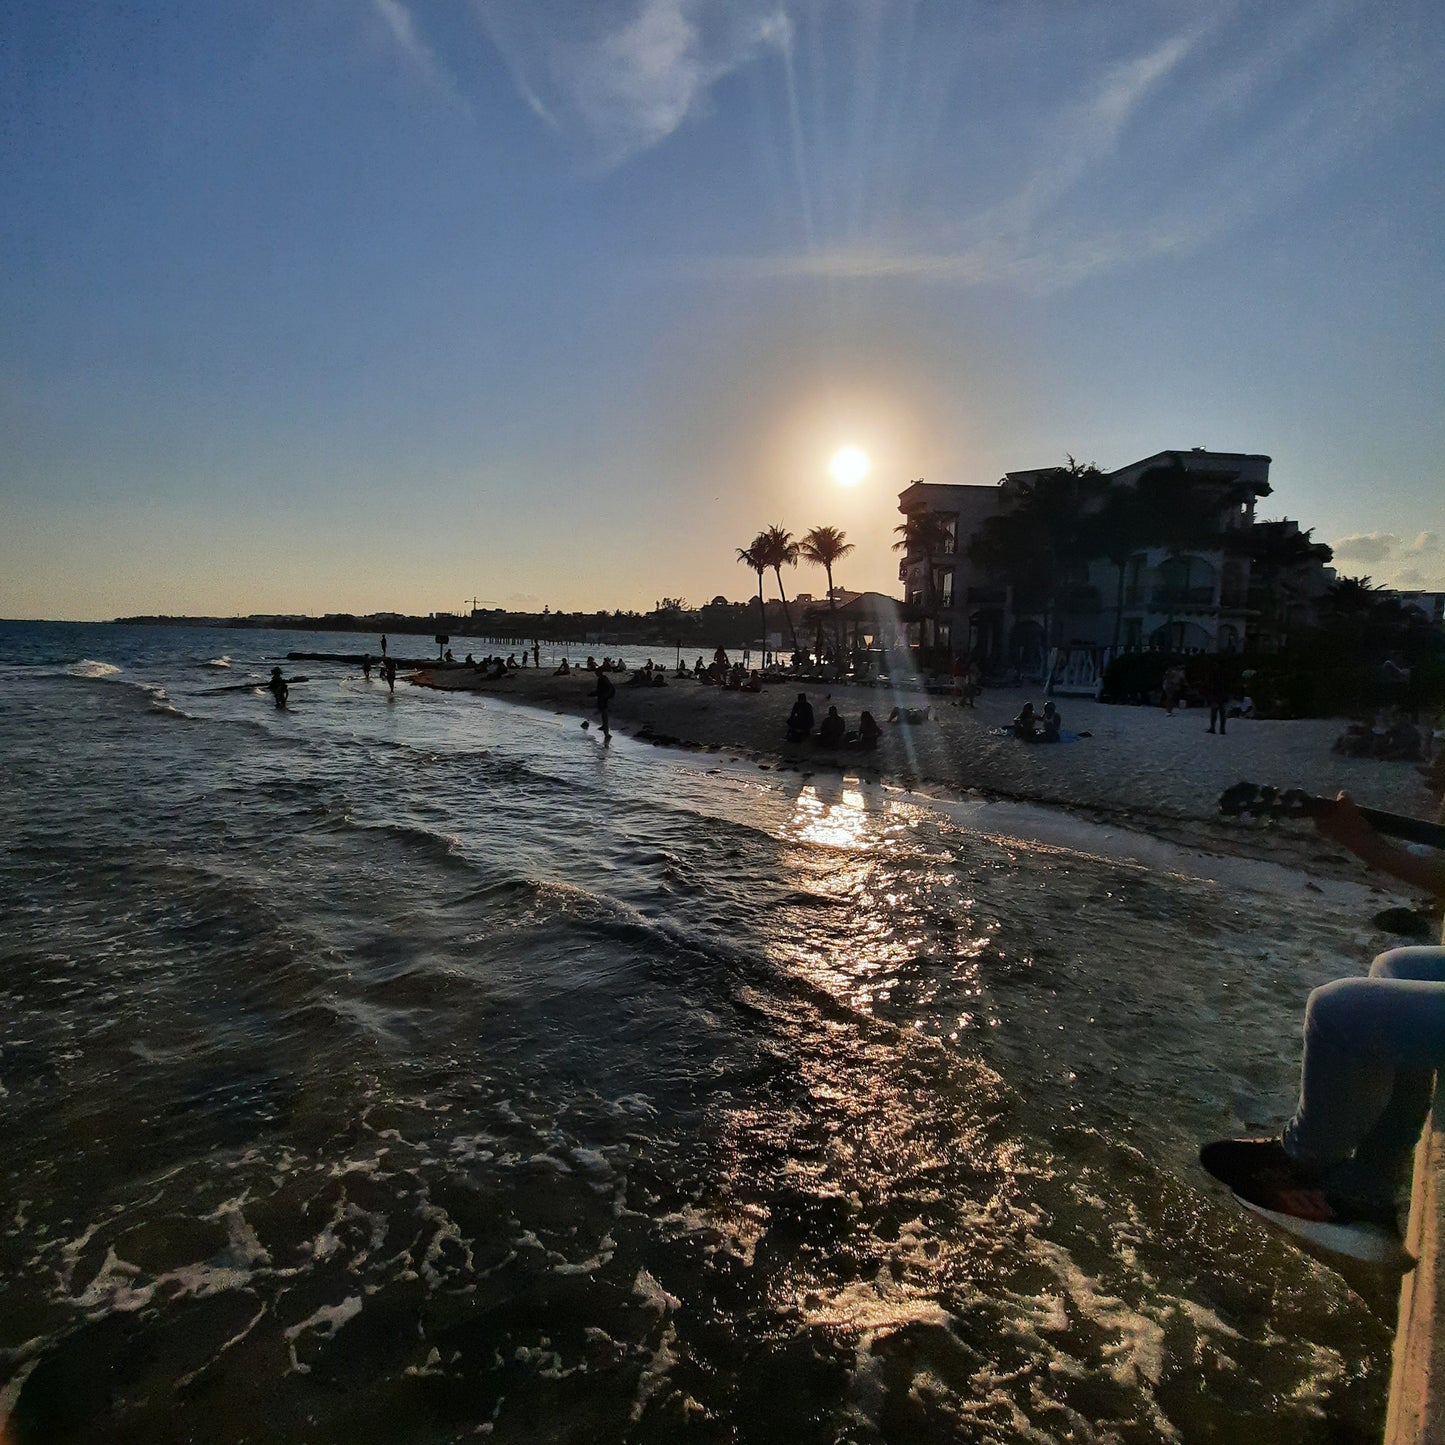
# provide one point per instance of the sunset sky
(386, 304)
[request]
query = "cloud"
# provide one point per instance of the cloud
(1425, 542)
(417, 55)
(1366, 546)
(624, 75)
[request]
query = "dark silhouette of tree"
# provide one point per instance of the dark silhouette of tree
(1278, 559)
(779, 551)
(1041, 543)
(1119, 530)
(926, 534)
(824, 546)
(752, 556)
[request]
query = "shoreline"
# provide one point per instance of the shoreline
(1141, 769)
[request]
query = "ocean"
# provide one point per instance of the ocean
(415, 1068)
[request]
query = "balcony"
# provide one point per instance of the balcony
(1178, 599)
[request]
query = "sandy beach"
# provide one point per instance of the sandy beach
(1161, 774)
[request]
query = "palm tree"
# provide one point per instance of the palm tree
(1116, 532)
(928, 534)
(752, 556)
(779, 551)
(822, 547)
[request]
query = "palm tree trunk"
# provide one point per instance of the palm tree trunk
(833, 608)
(763, 617)
(1119, 606)
(783, 596)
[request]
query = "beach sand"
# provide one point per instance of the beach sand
(1142, 768)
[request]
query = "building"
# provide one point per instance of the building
(1430, 605)
(1249, 586)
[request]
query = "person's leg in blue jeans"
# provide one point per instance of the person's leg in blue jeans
(1372, 1046)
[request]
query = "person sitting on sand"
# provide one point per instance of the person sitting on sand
(832, 730)
(277, 687)
(736, 676)
(511, 661)
(1053, 724)
(470, 660)
(1372, 1048)
(565, 668)
(866, 738)
(910, 715)
(1025, 724)
(754, 682)
(448, 657)
(720, 657)
(591, 663)
(800, 720)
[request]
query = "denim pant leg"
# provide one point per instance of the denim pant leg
(1372, 1046)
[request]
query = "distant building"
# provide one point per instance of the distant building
(1260, 582)
(1429, 604)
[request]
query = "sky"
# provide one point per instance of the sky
(355, 305)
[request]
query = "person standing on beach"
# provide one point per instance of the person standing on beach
(1218, 694)
(383, 647)
(277, 687)
(366, 667)
(605, 693)
(536, 653)
(1372, 1049)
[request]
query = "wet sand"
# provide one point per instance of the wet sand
(1141, 767)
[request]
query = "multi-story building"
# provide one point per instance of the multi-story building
(1250, 586)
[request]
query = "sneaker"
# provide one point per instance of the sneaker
(1293, 1196)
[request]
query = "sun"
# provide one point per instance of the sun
(849, 466)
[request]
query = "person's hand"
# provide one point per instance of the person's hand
(1345, 824)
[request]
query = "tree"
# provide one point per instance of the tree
(1119, 529)
(779, 551)
(928, 534)
(752, 556)
(1278, 555)
(1043, 539)
(824, 546)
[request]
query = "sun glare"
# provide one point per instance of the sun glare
(850, 466)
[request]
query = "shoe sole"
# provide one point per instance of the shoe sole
(1371, 1243)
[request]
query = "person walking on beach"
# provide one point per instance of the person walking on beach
(605, 693)
(388, 671)
(366, 667)
(1372, 1048)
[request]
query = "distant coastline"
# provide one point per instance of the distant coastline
(731, 624)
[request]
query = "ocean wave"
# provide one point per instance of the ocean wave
(89, 667)
(222, 661)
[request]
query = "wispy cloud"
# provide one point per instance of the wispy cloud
(1366, 546)
(1413, 562)
(624, 75)
(420, 59)
(1160, 153)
